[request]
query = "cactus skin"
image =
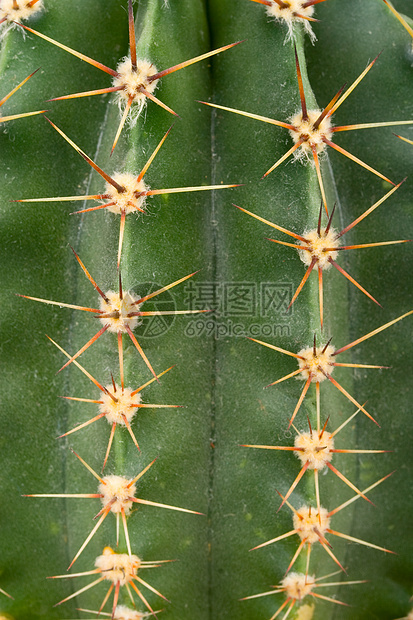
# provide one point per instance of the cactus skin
(39, 537)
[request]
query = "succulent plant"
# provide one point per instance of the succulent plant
(201, 443)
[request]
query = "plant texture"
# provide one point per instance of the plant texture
(171, 401)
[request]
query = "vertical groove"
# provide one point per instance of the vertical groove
(214, 240)
(214, 366)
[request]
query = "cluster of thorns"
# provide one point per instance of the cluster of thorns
(120, 312)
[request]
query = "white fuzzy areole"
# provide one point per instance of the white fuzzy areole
(23, 11)
(114, 411)
(129, 200)
(116, 488)
(120, 308)
(297, 585)
(132, 81)
(317, 244)
(307, 523)
(289, 12)
(317, 452)
(117, 567)
(313, 137)
(316, 365)
(125, 613)
(290, 15)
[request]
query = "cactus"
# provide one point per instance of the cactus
(202, 462)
